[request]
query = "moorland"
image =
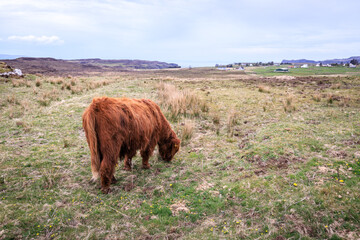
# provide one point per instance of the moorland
(264, 156)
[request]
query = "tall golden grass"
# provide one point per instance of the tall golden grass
(288, 104)
(232, 119)
(187, 131)
(263, 89)
(180, 102)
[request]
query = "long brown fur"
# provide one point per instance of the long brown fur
(118, 127)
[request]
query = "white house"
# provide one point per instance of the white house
(305, 66)
(352, 65)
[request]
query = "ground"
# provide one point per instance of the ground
(262, 157)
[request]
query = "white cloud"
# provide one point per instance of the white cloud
(40, 40)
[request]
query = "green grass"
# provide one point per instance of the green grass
(278, 175)
(312, 70)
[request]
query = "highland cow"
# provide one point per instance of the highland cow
(118, 127)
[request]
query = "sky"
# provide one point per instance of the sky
(196, 33)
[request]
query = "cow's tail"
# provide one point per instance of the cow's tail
(91, 137)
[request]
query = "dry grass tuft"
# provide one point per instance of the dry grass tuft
(14, 112)
(76, 90)
(57, 80)
(178, 102)
(263, 89)
(232, 119)
(345, 102)
(25, 104)
(43, 101)
(336, 86)
(18, 82)
(215, 116)
(28, 84)
(330, 98)
(67, 143)
(288, 104)
(24, 125)
(38, 82)
(316, 97)
(12, 99)
(93, 85)
(105, 82)
(46, 98)
(187, 130)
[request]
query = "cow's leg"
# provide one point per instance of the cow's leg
(127, 163)
(107, 169)
(128, 158)
(113, 180)
(146, 154)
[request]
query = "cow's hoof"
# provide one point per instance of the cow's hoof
(92, 180)
(105, 190)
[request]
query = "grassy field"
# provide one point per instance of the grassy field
(261, 158)
(312, 70)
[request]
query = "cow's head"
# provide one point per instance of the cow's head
(169, 147)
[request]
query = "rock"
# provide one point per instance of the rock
(15, 73)
(18, 72)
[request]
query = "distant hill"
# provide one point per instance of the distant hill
(52, 66)
(7, 56)
(330, 61)
(134, 64)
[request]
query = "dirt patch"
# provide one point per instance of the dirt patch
(128, 187)
(208, 223)
(324, 169)
(291, 81)
(259, 172)
(148, 189)
(285, 78)
(352, 141)
(281, 162)
(178, 207)
(337, 154)
(204, 185)
(300, 226)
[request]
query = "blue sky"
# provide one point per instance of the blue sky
(196, 33)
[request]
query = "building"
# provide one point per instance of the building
(352, 65)
(281, 70)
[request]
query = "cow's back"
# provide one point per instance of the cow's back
(132, 122)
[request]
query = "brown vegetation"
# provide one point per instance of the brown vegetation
(180, 101)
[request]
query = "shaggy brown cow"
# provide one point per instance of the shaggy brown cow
(118, 127)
